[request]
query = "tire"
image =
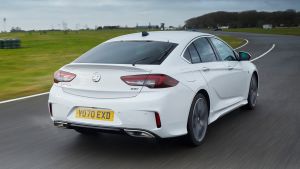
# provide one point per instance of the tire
(252, 94)
(86, 131)
(197, 120)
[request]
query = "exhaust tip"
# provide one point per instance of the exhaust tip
(61, 124)
(139, 133)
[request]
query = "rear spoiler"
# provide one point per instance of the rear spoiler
(124, 67)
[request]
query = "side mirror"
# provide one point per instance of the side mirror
(244, 56)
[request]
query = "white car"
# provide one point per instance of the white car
(153, 84)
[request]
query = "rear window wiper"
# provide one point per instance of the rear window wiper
(139, 60)
(165, 53)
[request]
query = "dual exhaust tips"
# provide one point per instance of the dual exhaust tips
(139, 133)
(130, 132)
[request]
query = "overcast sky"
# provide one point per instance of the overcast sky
(47, 14)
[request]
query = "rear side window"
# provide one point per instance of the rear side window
(205, 50)
(128, 52)
(187, 55)
(194, 54)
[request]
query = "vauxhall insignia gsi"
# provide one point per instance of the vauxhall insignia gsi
(155, 85)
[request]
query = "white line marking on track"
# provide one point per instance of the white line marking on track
(273, 46)
(22, 98)
(242, 45)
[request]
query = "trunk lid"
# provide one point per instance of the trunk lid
(102, 81)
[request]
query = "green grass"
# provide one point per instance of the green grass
(233, 41)
(279, 31)
(29, 70)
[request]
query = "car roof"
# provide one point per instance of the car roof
(164, 36)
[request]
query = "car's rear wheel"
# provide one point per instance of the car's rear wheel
(86, 131)
(252, 95)
(198, 120)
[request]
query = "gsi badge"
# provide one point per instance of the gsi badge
(96, 77)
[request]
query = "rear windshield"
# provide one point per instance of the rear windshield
(128, 52)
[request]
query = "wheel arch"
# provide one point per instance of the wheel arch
(190, 137)
(206, 95)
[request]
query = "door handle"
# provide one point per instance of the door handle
(230, 67)
(205, 69)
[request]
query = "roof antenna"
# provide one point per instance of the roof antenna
(144, 33)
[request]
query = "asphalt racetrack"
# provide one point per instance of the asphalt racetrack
(267, 137)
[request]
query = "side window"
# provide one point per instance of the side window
(194, 54)
(205, 50)
(225, 52)
(191, 54)
(187, 55)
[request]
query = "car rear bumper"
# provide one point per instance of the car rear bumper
(131, 132)
(135, 113)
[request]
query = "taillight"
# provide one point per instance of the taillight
(151, 80)
(62, 76)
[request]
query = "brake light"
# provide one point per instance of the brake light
(63, 76)
(151, 80)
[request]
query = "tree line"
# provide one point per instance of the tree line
(245, 19)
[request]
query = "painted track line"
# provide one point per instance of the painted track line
(23, 98)
(262, 55)
(242, 44)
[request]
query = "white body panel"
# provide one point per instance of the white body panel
(227, 84)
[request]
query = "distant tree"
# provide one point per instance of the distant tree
(99, 28)
(16, 29)
(298, 19)
(244, 19)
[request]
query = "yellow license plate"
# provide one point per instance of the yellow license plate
(94, 114)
